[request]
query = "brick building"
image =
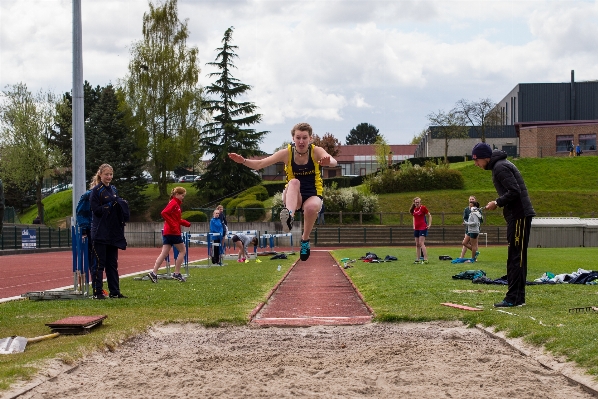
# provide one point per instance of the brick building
(357, 159)
(538, 120)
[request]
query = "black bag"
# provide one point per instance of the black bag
(469, 275)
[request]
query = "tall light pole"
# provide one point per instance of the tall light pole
(78, 122)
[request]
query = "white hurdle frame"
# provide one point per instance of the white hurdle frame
(486, 234)
(209, 243)
(269, 236)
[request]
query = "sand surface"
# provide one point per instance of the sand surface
(427, 360)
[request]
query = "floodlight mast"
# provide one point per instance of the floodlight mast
(78, 122)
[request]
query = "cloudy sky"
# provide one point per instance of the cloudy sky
(334, 64)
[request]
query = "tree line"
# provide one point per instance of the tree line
(156, 118)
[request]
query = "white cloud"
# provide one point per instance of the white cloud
(332, 63)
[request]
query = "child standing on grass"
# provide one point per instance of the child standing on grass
(422, 221)
(473, 228)
(172, 234)
(245, 241)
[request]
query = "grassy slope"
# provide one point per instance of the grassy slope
(556, 185)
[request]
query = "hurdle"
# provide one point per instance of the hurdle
(209, 242)
(230, 235)
(168, 274)
(80, 252)
(270, 238)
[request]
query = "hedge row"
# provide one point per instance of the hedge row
(416, 179)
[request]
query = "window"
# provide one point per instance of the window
(563, 143)
(587, 141)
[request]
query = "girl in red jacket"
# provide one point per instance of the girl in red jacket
(172, 234)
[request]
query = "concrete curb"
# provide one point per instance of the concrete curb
(569, 370)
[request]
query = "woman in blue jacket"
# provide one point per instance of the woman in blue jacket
(109, 215)
(216, 226)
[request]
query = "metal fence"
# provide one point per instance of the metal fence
(46, 237)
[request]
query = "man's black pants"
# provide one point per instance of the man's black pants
(518, 231)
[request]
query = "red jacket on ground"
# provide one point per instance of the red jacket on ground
(172, 218)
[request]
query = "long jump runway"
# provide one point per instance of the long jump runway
(314, 292)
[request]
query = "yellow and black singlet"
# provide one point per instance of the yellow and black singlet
(308, 174)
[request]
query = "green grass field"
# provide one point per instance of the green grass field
(397, 291)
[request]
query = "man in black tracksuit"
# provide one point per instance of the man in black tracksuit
(517, 211)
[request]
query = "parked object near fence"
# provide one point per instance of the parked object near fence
(563, 232)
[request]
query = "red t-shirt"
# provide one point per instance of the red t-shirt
(419, 218)
(172, 218)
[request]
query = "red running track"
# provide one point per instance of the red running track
(314, 292)
(24, 273)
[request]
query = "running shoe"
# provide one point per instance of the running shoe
(153, 277)
(417, 262)
(286, 218)
(304, 253)
(178, 276)
(425, 261)
(99, 296)
(504, 304)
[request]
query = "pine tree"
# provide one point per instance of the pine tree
(364, 133)
(230, 130)
(109, 140)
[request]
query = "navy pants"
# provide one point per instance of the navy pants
(216, 251)
(106, 258)
(518, 237)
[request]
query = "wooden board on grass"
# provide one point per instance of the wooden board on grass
(462, 307)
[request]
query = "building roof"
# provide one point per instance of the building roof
(524, 125)
(348, 153)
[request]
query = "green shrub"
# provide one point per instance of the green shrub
(349, 200)
(274, 187)
(415, 178)
(194, 216)
(260, 192)
(252, 210)
(225, 202)
(233, 204)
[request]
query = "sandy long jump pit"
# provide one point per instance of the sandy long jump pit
(427, 360)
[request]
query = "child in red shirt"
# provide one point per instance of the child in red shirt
(171, 235)
(422, 221)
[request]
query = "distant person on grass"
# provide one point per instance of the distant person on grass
(422, 221)
(467, 239)
(171, 236)
(244, 241)
(473, 225)
(109, 215)
(303, 161)
(518, 213)
(216, 226)
(224, 225)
